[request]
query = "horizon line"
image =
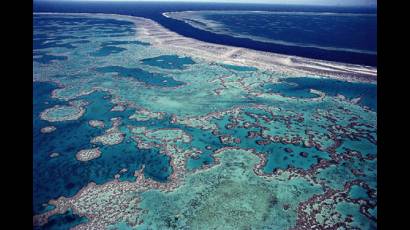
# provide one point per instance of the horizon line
(212, 2)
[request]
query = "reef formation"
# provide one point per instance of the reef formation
(146, 129)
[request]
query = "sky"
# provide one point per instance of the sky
(300, 2)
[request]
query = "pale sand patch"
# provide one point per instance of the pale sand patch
(48, 129)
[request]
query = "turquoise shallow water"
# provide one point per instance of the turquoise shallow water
(107, 50)
(141, 75)
(281, 157)
(169, 62)
(239, 68)
(110, 47)
(358, 192)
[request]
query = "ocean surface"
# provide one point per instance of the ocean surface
(339, 34)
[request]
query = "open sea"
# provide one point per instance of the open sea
(338, 34)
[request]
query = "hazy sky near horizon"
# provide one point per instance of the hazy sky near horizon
(301, 2)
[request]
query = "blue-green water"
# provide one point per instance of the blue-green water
(239, 68)
(141, 75)
(169, 62)
(358, 192)
(110, 47)
(46, 59)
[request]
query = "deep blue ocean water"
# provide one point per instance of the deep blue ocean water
(340, 32)
(345, 32)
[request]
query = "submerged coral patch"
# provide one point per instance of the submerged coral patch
(141, 75)
(88, 154)
(46, 59)
(169, 62)
(145, 115)
(96, 123)
(112, 136)
(63, 113)
(107, 50)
